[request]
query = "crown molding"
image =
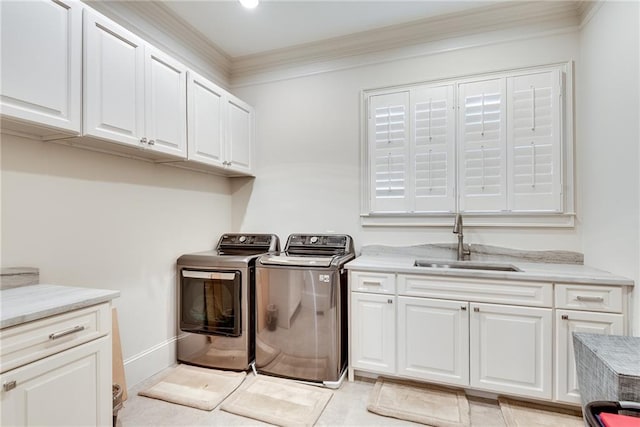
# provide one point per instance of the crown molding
(155, 23)
(530, 17)
(587, 9)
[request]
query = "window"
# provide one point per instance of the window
(494, 146)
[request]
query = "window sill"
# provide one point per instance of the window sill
(524, 220)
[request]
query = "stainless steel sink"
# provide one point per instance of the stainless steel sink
(465, 265)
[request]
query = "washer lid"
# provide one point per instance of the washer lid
(302, 261)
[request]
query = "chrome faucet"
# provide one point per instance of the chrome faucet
(457, 229)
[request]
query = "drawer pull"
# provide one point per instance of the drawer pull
(56, 335)
(565, 317)
(369, 283)
(476, 309)
(463, 308)
(589, 299)
(9, 385)
(389, 301)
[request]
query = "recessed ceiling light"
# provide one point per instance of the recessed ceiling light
(249, 4)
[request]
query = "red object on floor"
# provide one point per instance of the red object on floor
(616, 420)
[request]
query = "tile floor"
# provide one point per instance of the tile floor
(348, 407)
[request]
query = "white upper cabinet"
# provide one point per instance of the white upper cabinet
(134, 94)
(166, 103)
(41, 65)
(206, 133)
(239, 134)
(220, 127)
(114, 81)
(535, 152)
(483, 156)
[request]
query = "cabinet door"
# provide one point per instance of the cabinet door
(113, 81)
(72, 388)
(206, 133)
(568, 322)
(165, 103)
(373, 326)
(239, 135)
(41, 62)
(433, 340)
(510, 349)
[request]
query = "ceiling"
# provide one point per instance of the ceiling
(277, 24)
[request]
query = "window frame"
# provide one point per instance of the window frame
(563, 219)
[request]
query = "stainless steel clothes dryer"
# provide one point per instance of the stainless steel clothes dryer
(216, 305)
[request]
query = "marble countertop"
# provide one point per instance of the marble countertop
(26, 303)
(530, 271)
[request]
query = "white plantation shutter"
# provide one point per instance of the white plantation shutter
(388, 135)
(433, 159)
(482, 146)
(534, 142)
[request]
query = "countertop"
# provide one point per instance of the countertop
(26, 303)
(544, 272)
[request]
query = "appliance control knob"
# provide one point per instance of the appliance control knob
(242, 239)
(314, 239)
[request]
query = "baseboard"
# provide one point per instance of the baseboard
(149, 362)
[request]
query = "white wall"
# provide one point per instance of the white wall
(308, 147)
(100, 221)
(608, 135)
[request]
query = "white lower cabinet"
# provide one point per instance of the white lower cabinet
(568, 322)
(72, 388)
(433, 339)
(373, 332)
(510, 349)
(510, 337)
(57, 370)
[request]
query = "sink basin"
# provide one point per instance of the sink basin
(465, 265)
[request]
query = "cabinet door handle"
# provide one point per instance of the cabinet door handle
(370, 283)
(565, 317)
(389, 301)
(143, 140)
(152, 142)
(56, 335)
(9, 385)
(589, 299)
(463, 308)
(476, 309)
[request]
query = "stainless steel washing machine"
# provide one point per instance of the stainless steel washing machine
(301, 298)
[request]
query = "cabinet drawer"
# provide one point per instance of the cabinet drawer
(31, 341)
(587, 297)
(502, 292)
(379, 283)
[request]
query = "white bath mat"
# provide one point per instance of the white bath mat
(197, 387)
(523, 414)
(278, 401)
(419, 403)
